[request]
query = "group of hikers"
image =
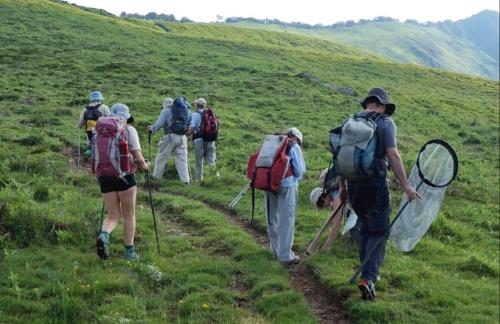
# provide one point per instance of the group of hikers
(360, 181)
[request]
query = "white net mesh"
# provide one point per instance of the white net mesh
(437, 166)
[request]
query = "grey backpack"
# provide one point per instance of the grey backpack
(355, 148)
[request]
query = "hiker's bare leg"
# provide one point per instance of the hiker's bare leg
(112, 203)
(127, 199)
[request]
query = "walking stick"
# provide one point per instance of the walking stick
(153, 211)
(78, 161)
(238, 196)
(312, 246)
(102, 216)
(149, 145)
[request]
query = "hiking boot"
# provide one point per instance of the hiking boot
(367, 289)
(130, 254)
(295, 260)
(102, 245)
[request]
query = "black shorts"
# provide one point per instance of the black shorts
(110, 184)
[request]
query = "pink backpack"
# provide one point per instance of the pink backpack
(110, 152)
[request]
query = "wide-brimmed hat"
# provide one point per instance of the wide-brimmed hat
(383, 97)
(96, 96)
(120, 110)
(200, 101)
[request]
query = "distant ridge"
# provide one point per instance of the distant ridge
(469, 46)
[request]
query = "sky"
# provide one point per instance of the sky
(324, 12)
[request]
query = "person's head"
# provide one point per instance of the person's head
(294, 134)
(319, 198)
(120, 110)
(378, 100)
(96, 96)
(167, 103)
(200, 103)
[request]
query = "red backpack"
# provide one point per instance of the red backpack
(110, 152)
(269, 165)
(209, 127)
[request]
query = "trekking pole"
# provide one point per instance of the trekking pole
(102, 217)
(312, 246)
(78, 160)
(153, 211)
(374, 247)
(238, 196)
(149, 145)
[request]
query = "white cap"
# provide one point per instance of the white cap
(295, 132)
(315, 194)
(200, 101)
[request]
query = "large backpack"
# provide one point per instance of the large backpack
(181, 117)
(209, 127)
(91, 115)
(269, 165)
(110, 153)
(356, 149)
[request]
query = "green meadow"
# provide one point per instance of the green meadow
(211, 271)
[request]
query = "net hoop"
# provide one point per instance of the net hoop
(453, 155)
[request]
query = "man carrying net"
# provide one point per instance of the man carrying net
(369, 195)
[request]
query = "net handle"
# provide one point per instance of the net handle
(453, 155)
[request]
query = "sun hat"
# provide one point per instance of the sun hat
(200, 101)
(295, 132)
(120, 110)
(314, 195)
(96, 96)
(383, 97)
(167, 103)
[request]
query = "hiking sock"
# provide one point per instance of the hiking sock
(104, 236)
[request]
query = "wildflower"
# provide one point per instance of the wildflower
(205, 306)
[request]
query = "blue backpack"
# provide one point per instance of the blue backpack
(181, 116)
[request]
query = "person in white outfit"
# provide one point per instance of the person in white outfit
(203, 150)
(170, 143)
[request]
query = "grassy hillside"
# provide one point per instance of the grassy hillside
(211, 271)
(467, 46)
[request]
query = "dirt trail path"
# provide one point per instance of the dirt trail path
(323, 304)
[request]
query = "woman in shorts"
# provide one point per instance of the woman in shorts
(120, 196)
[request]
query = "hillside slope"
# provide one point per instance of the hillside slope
(259, 82)
(467, 46)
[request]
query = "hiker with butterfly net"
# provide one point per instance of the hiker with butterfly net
(362, 179)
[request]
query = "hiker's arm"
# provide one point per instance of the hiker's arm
(161, 121)
(398, 169)
(139, 159)
(194, 123)
(298, 163)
